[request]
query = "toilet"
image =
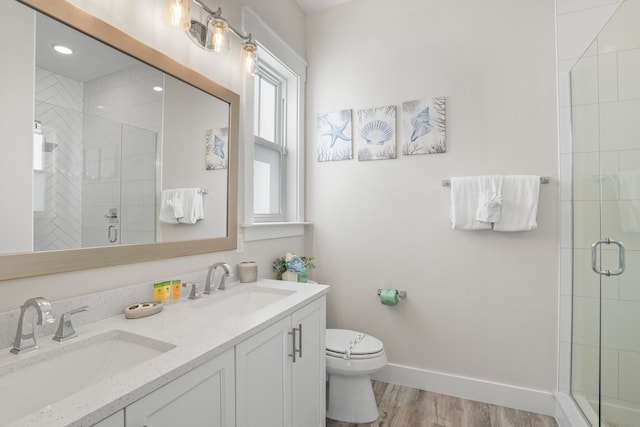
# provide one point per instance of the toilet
(351, 396)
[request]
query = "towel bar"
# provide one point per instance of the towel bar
(203, 191)
(543, 180)
(401, 294)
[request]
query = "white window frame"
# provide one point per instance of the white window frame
(280, 143)
(282, 57)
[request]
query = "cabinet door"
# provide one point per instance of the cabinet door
(308, 370)
(115, 420)
(263, 378)
(202, 397)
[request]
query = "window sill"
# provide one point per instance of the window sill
(272, 230)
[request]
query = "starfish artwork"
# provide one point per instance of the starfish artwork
(334, 136)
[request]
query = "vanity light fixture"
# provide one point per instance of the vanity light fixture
(62, 49)
(158, 88)
(214, 35)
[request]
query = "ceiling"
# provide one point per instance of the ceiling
(310, 6)
(90, 60)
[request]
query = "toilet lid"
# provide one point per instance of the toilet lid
(338, 340)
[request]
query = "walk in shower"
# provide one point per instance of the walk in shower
(605, 110)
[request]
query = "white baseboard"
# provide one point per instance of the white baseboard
(567, 412)
(541, 402)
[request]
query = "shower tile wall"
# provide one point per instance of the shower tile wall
(57, 187)
(120, 108)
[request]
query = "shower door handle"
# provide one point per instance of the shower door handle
(112, 233)
(594, 258)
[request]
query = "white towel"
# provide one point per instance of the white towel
(629, 200)
(170, 207)
(490, 199)
(465, 193)
(519, 203)
(192, 205)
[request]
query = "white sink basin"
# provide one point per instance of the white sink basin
(42, 378)
(242, 300)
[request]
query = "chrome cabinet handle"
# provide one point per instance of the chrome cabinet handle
(594, 258)
(112, 233)
(299, 349)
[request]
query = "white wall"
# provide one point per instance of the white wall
(16, 108)
(142, 20)
(481, 305)
(189, 114)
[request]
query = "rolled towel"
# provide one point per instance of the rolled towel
(490, 199)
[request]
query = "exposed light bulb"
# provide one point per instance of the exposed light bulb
(218, 35)
(177, 14)
(249, 58)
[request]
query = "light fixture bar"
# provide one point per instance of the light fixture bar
(218, 14)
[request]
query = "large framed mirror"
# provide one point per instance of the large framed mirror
(128, 156)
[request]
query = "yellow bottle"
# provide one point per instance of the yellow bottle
(158, 292)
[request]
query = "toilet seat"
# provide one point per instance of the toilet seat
(337, 341)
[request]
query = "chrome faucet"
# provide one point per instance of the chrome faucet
(222, 286)
(27, 341)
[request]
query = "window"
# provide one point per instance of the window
(269, 165)
(274, 173)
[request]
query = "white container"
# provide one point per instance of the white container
(248, 271)
(290, 276)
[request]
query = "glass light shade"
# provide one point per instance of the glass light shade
(177, 14)
(249, 58)
(218, 35)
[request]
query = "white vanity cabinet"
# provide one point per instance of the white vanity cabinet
(201, 397)
(115, 420)
(273, 390)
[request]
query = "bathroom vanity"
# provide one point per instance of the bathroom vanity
(250, 355)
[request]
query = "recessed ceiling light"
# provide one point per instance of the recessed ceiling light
(158, 88)
(62, 49)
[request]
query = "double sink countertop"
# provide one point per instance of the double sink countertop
(187, 334)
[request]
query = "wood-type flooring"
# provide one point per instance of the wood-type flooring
(408, 407)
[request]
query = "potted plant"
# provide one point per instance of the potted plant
(292, 267)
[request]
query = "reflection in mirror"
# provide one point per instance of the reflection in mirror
(111, 136)
(103, 153)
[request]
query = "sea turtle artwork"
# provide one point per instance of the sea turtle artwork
(424, 126)
(334, 136)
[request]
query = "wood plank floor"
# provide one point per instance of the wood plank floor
(408, 407)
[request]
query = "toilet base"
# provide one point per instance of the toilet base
(351, 399)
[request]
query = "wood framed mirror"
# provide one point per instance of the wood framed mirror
(173, 167)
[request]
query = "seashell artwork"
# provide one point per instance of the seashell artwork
(424, 126)
(334, 136)
(377, 133)
(216, 147)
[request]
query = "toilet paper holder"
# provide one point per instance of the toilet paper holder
(401, 294)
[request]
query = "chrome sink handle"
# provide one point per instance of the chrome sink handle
(65, 327)
(193, 294)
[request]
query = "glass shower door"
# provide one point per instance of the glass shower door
(605, 92)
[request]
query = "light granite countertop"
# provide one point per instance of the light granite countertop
(196, 328)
